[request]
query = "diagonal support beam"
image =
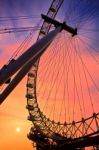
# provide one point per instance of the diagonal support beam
(39, 46)
(37, 50)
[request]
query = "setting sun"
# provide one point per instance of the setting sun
(18, 129)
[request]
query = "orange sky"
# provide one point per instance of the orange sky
(12, 115)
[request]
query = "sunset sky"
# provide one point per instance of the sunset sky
(14, 125)
(13, 113)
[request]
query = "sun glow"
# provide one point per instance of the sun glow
(18, 129)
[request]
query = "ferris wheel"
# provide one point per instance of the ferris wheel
(63, 84)
(60, 97)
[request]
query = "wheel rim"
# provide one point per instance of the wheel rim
(43, 123)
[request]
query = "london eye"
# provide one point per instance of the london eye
(63, 84)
